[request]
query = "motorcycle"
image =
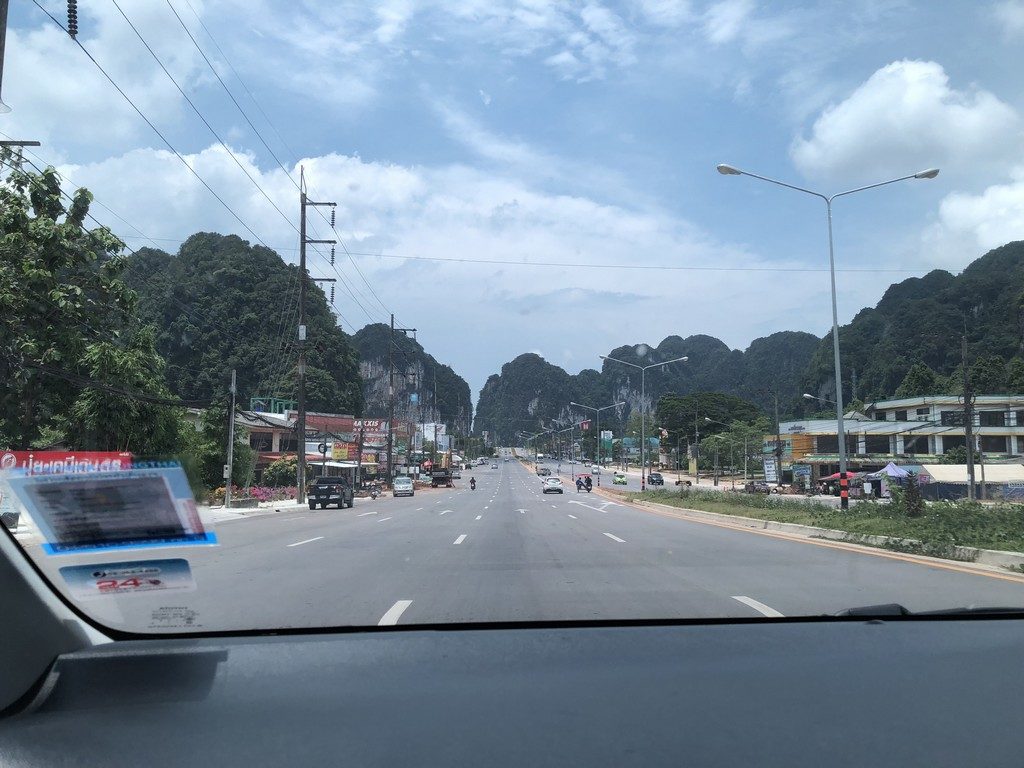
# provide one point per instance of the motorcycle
(374, 491)
(472, 484)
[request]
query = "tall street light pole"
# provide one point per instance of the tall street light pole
(598, 412)
(931, 173)
(643, 409)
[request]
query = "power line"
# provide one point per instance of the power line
(156, 130)
(201, 116)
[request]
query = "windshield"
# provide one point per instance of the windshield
(651, 310)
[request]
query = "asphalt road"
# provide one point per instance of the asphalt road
(507, 552)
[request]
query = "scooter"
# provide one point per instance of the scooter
(472, 485)
(374, 491)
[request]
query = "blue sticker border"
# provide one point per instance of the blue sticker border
(209, 538)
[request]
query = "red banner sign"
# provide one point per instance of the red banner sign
(64, 462)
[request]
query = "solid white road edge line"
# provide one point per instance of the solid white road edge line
(462, 538)
(758, 606)
(394, 613)
(613, 537)
(306, 541)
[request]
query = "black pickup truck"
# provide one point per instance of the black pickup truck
(331, 490)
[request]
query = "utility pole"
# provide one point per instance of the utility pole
(968, 401)
(778, 444)
(359, 457)
(696, 442)
(231, 445)
(391, 395)
(304, 202)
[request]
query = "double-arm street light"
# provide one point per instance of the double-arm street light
(643, 409)
(598, 412)
(931, 173)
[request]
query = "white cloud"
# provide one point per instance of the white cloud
(485, 98)
(56, 92)
(724, 20)
(454, 211)
(667, 13)
(905, 117)
(1009, 15)
(973, 223)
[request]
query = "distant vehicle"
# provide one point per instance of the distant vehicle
(402, 486)
(655, 478)
(331, 490)
(595, 470)
(619, 479)
(552, 485)
(494, 466)
(543, 472)
(441, 476)
(456, 474)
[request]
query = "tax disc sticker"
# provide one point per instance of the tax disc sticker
(128, 578)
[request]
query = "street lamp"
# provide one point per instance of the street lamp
(643, 410)
(815, 397)
(598, 412)
(931, 173)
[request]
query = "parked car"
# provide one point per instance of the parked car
(619, 479)
(552, 485)
(655, 478)
(403, 486)
(331, 490)
(456, 474)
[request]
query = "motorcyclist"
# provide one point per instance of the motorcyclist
(579, 484)
(472, 483)
(589, 484)
(374, 490)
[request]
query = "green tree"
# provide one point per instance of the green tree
(957, 455)
(988, 375)
(1015, 376)
(64, 313)
(920, 380)
(281, 473)
(913, 503)
(683, 415)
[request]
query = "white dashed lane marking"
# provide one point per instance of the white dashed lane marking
(394, 613)
(758, 606)
(462, 538)
(305, 541)
(613, 537)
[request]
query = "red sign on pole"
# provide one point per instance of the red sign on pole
(584, 425)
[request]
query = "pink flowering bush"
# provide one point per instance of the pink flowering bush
(257, 492)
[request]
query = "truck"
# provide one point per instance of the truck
(331, 490)
(441, 476)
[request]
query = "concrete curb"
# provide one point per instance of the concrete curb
(989, 557)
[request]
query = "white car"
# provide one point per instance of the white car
(552, 485)
(595, 470)
(402, 486)
(494, 466)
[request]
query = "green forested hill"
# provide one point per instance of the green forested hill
(921, 320)
(530, 392)
(221, 303)
(453, 405)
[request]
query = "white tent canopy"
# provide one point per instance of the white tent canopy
(957, 473)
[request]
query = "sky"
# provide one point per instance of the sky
(540, 177)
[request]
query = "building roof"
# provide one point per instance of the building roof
(957, 473)
(923, 400)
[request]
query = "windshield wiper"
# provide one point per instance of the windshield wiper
(895, 609)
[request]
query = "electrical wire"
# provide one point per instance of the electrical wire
(156, 130)
(200, 115)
